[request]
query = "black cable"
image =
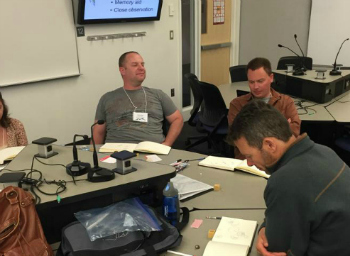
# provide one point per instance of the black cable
(306, 109)
(224, 209)
(61, 187)
(37, 182)
(53, 165)
(49, 164)
(23, 170)
(34, 171)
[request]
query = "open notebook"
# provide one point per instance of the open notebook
(188, 187)
(232, 237)
(7, 154)
(144, 146)
(232, 164)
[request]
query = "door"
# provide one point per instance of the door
(216, 41)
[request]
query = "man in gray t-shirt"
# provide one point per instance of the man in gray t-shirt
(134, 113)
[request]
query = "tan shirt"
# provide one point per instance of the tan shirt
(281, 102)
(16, 135)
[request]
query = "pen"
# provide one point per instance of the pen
(180, 168)
(198, 159)
(179, 253)
(213, 218)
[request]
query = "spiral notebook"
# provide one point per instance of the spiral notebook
(232, 237)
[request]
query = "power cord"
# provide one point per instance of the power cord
(35, 184)
(305, 110)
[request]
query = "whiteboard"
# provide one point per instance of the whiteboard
(37, 41)
(329, 27)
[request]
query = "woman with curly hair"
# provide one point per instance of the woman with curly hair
(12, 131)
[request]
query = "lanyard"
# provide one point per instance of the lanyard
(133, 103)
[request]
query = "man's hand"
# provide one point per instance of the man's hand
(166, 143)
(262, 244)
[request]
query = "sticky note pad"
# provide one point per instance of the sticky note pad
(196, 223)
(211, 233)
(217, 187)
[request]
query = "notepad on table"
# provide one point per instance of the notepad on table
(144, 146)
(7, 154)
(232, 164)
(232, 237)
(188, 187)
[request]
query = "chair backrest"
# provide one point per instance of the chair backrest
(214, 105)
(197, 96)
(165, 126)
(196, 91)
(238, 73)
(241, 92)
(294, 60)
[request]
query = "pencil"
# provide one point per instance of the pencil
(214, 218)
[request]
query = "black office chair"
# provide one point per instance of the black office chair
(241, 92)
(197, 96)
(238, 73)
(165, 126)
(307, 61)
(198, 100)
(212, 117)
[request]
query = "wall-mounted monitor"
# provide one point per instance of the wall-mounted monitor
(115, 11)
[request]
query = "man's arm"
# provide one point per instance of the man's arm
(233, 111)
(99, 133)
(291, 113)
(176, 124)
(288, 210)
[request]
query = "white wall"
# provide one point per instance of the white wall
(64, 107)
(329, 27)
(267, 23)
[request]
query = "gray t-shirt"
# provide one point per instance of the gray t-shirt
(116, 109)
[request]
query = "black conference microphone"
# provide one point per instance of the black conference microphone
(77, 168)
(302, 60)
(102, 174)
(297, 71)
(334, 71)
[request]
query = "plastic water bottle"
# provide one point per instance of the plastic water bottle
(171, 208)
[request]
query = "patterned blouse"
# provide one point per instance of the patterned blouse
(16, 135)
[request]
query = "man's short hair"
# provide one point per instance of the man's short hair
(123, 56)
(256, 121)
(258, 63)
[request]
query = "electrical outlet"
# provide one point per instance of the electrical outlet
(172, 92)
(171, 34)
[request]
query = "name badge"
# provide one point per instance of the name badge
(140, 117)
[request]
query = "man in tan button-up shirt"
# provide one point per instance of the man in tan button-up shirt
(260, 77)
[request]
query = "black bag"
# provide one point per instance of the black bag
(76, 242)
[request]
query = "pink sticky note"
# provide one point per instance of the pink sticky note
(196, 223)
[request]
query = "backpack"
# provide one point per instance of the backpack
(76, 242)
(21, 233)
